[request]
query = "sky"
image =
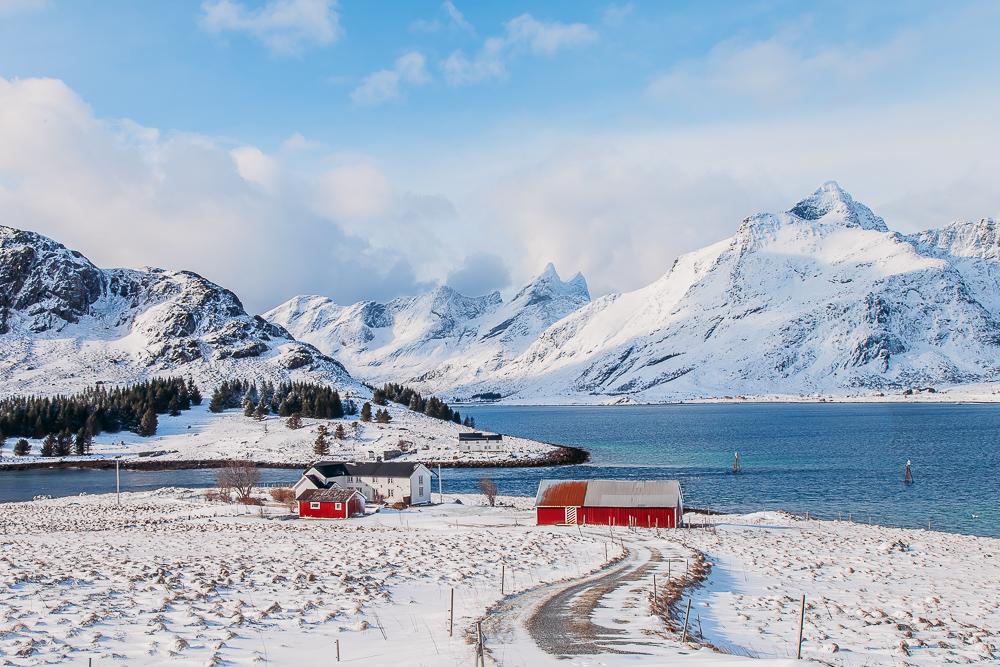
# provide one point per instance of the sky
(367, 149)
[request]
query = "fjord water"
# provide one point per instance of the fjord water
(831, 460)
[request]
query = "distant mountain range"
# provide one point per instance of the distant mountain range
(820, 299)
(65, 324)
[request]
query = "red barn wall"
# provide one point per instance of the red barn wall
(643, 517)
(326, 510)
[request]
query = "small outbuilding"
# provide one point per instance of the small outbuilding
(643, 503)
(332, 503)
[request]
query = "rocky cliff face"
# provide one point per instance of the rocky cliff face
(65, 322)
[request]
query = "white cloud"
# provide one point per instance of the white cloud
(521, 34)
(385, 85)
(776, 71)
(480, 273)
(286, 27)
(454, 19)
(263, 225)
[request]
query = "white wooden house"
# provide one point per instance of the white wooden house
(383, 482)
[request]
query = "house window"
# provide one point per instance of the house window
(336, 506)
(314, 506)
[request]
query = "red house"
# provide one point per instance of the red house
(644, 504)
(332, 503)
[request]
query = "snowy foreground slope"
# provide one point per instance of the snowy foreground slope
(66, 324)
(200, 435)
(170, 578)
(820, 300)
(435, 340)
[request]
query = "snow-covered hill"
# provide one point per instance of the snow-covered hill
(436, 340)
(65, 324)
(822, 298)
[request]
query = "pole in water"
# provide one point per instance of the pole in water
(118, 481)
(907, 475)
(736, 463)
(440, 490)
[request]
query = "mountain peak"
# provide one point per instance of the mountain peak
(830, 203)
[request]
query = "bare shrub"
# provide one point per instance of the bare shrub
(284, 496)
(489, 489)
(238, 476)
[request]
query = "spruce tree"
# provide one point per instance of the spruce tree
(294, 421)
(321, 447)
(22, 447)
(174, 406)
(339, 433)
(194, 393)
(64, 443)
(49, 445)
(148, 423)
(366, 412)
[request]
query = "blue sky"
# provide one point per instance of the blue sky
(413, 141)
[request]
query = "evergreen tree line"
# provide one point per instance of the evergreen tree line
(432, 407)
(305, 399)
(69, 423)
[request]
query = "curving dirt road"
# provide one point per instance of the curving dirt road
(607, 612)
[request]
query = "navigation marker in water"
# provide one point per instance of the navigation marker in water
(907, 476)
(736, 464)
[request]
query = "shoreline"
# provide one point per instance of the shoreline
(561, 455)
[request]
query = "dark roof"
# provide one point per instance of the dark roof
(331, 468)
(608, 493)
(334, 494)
(382, 469)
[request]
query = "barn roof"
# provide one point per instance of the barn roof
(608, 493)
(334, 494)
(560, 493)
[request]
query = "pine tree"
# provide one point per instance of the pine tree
(261, 411)
(366, 412)
(383, 417)
(49, 445)
(3, 440)
(194, 393)
(216, 404)
(321, 447)
(339, 433)
(64, 443)
(148, 423)
(174, 406)
(22, 447)
(82, 443)
(294, 421)
(378, 397)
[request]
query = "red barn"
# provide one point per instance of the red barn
(646, 504)
(332, 503)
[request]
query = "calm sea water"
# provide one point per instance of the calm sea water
(832, 460)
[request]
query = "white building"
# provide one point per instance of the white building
(383, 482)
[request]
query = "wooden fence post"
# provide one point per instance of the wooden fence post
(687, 615)
(480, 655)
(656, 603)
(802, 622)
(338, 650)
(451, 615)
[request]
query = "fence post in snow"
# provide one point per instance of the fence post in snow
(480, 655)
(656, 603)
(687, 615)
(802, 622)
(503, 576)
(338, 650)
(451, 615)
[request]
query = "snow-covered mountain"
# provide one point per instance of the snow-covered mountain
(820, 298)
(64, 324)
(435, 340)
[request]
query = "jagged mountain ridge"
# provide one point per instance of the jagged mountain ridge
(822, 298)
(65, 323)
(433, 340)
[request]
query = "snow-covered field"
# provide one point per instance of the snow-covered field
(168, 578)
(204, 436)
(874, 595)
